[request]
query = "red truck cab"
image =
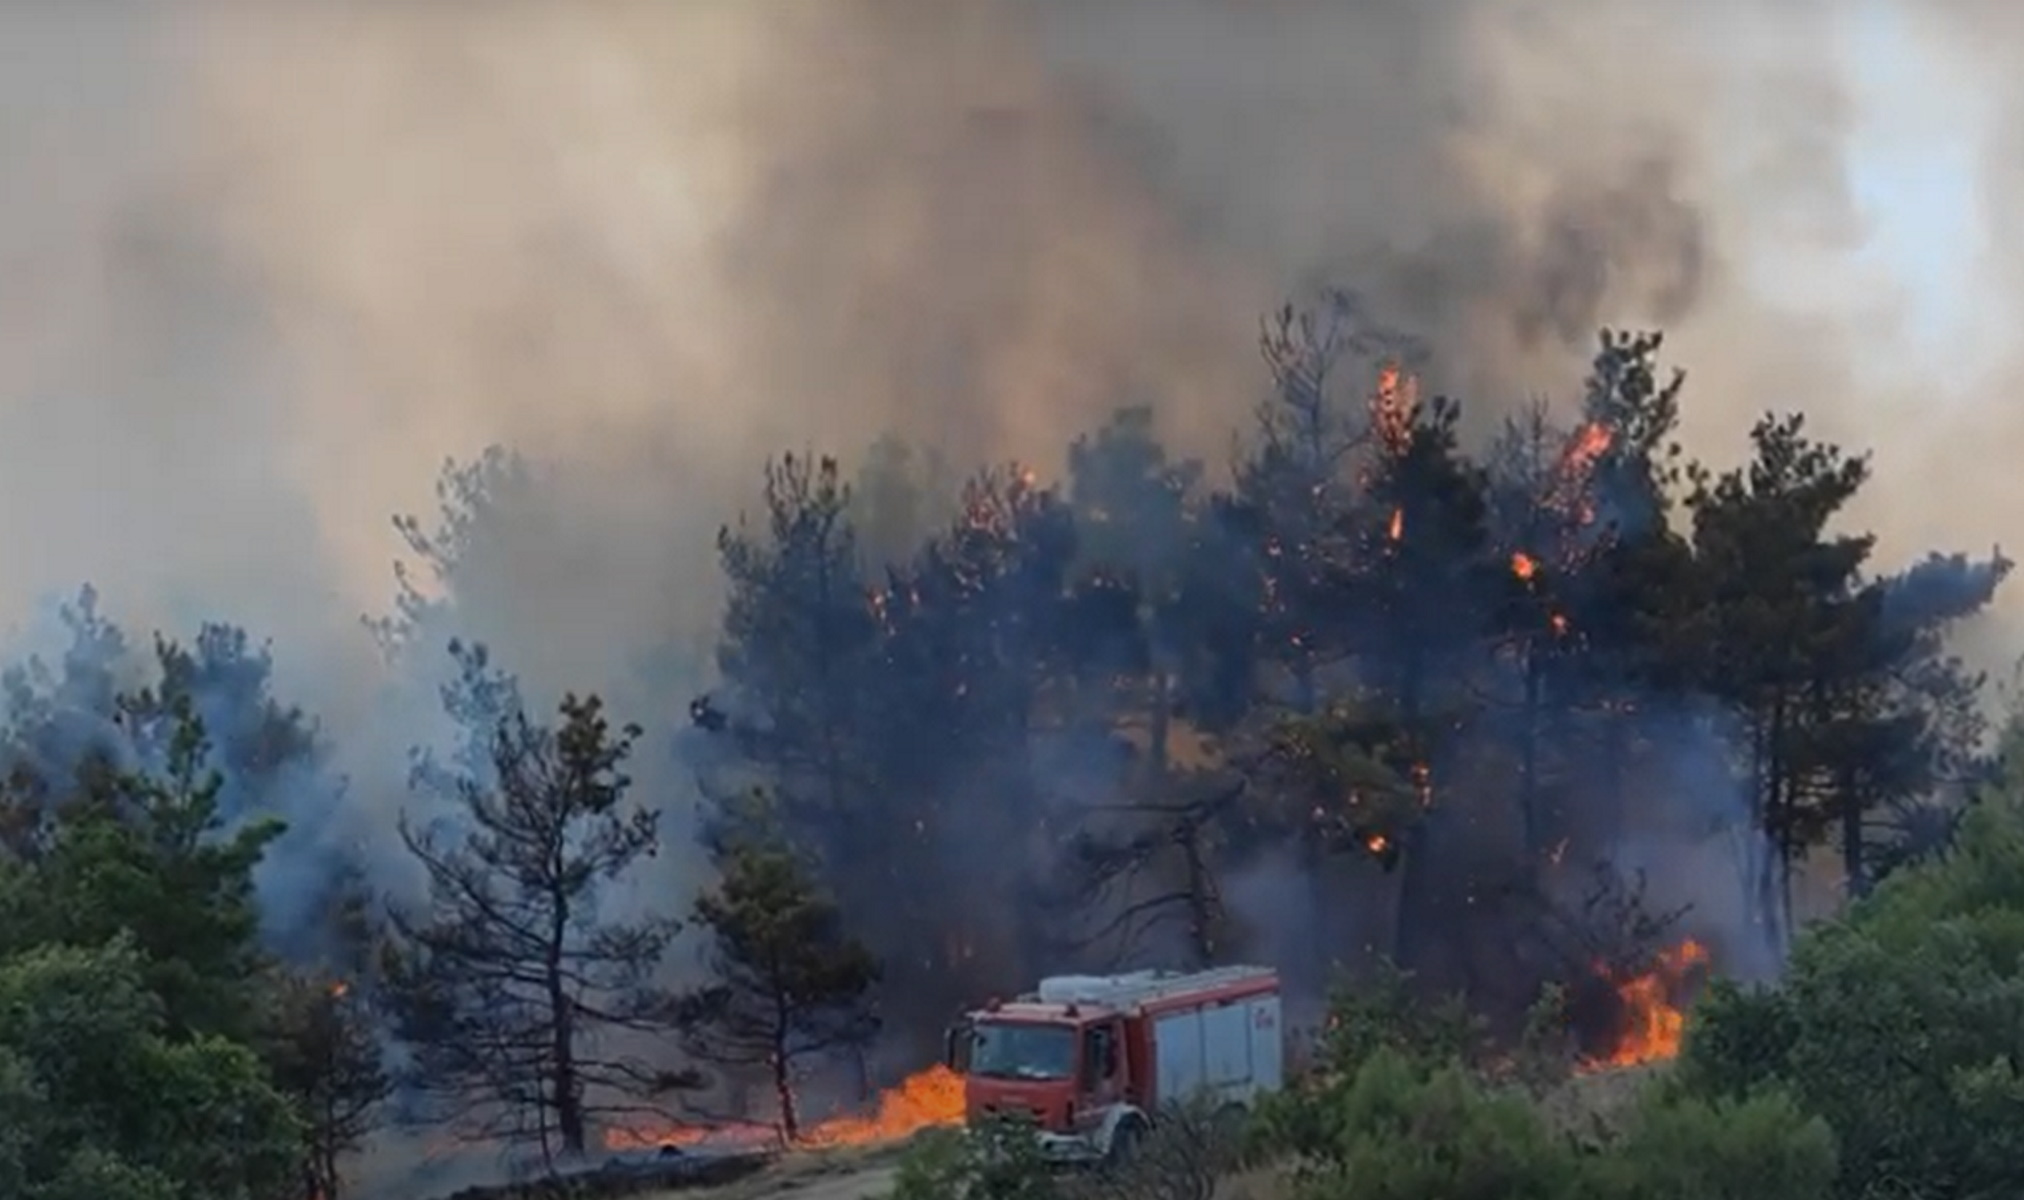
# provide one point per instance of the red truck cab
(1090, 1059)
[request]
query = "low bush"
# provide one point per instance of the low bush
(1183, 1157)
(1901, 1025)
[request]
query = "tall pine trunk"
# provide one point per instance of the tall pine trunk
(1320, 946)
(1854, 863)
(1418, 902)
(1202, 912)
(783, 1080)
(1528, 765)
(564, 1086)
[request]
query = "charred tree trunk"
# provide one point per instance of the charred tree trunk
(1854, 863)
(1201, 897)
(1320, 945)
(1615, 756)
(1160, 729)
(1417, 902)
(1775, 868)
(783, 1080)
(1528, 765)
(564, 1086)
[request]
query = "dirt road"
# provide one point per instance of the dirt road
(835, 1176)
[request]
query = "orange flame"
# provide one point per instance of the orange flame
(1589, 443)
(1524, 566)
(1653, 1024)
(924, 1100)
(929, 1099)
(1393, 406)
(1398, 524)
(1377, 843)
(1569, 492)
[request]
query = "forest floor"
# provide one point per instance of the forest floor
(867, 1173)
(855, 1173)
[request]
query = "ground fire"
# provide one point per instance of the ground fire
(1649, 1020)
(924, 1100)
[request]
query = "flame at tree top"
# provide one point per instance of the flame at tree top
(927, 1099)
(1392, 408)
(1569, 492)
(1652, 1024)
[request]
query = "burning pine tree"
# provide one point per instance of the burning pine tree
(509, 982)
(1578, 634)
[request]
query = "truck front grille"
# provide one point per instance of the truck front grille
(1016, 1113)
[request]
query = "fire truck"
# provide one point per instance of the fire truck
(1092, 1060)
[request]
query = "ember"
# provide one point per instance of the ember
(925, 1100)
(1651, 1024)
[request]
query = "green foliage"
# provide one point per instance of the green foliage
(792, 983)
(324, 1051)
(1902, 1025)
(1401, 1129)
(1406, 1104)
(1544, 1056)
(1740, 1039)
(149, 857)
(94, 1095)
(1385, 1011)
(1405, 1128)
(1760, 1148)
(995, 1160)
(1182, 1157)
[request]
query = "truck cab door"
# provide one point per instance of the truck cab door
(956, 1046)
(1102, 1081)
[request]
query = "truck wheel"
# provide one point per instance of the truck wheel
(1229, 1122)
(1124, 1144)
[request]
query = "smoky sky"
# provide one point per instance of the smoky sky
(264, 267)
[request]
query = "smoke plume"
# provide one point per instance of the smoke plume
(267, 266)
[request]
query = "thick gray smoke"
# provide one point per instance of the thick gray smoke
(263, 267)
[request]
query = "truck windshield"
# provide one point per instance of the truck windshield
(1008, 1050)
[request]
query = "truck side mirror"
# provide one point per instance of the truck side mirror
(956, 1047)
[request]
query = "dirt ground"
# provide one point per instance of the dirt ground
(825, 1175)
(870, 1181)
(868, 1174)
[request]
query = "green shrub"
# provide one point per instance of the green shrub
(1385, 1011)
(1401, 1128)
(996, 1160)
(1184, 1155)
(96, 1103)
(1739, 1040)
(1901, 1025)
(1760, 1148)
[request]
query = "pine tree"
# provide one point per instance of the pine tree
(509, 981)
(791, 983)
(1779, 615)
(327, 1058)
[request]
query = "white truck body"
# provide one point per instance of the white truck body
(1225, 1055)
